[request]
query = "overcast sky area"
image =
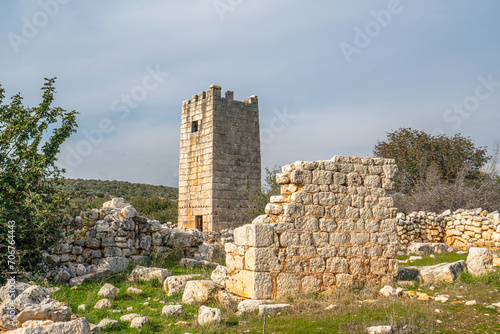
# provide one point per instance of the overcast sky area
(332, 77)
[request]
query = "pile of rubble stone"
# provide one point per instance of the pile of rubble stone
(101, 242)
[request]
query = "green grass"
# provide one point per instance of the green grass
(352, 313)
(429, 261)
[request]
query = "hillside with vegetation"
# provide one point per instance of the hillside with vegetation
(153, 201)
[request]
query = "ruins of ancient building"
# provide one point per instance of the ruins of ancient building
(333, 227)
(219, 165)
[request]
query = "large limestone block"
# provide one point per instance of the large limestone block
(198, 291)
(261, 259)
(255, 235)
(77, 326)
(443, 272)
(249, 284)
(52, 310)
(479, 261)
(149, 274)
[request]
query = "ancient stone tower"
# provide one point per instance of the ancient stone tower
(219, 160)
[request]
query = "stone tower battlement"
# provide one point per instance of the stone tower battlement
(219, 165)
(214, 93)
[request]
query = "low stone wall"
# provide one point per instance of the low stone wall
(332, 227)
(114, 235)
(459, 229)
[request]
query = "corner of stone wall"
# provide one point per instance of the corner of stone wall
(332, 227)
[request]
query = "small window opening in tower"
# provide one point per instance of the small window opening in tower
(198, 224)
(194, 126)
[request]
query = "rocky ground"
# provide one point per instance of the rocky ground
(458, 297)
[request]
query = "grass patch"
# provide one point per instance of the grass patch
(353, 311)
(427, 260)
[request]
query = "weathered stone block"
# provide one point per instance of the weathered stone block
(254, 285)
(320, 239)
(322, 177)
(326, 198)
(286, 285)
(261, 259)
(307, 224)
(338, 238)
(274, 209)
(372, 181)
(317, 265)
(359, 238)
(310, 284)
(254, 235)
(327, 225)
(300, 177)
(302, 197)
(337, 265)
(343, 281)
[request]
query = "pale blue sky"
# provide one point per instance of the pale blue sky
(346, 72)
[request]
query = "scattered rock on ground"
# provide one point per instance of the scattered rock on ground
(407, 274)
(443, 272)
(175, 310)
(176, 284)
(219, 276)
(479, 261)
(129, 317)
(103, 303)
(208, 315)
(228, 300)
(76, 326)
(379, 330)
(134, 291)
(426, 248)
(250, 305)
(272, 309)
(108, 291)
(138, 322)
(198, 291)
(389, 291)
(141, 273)
(441, 298)
(106, 322)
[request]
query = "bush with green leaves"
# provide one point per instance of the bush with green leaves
(28, 175)
(416, 152)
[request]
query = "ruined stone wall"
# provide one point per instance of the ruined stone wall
(459, 229)
(333, 226)
(115, 233)
(220, 162)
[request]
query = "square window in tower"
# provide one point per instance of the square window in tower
(194, 126)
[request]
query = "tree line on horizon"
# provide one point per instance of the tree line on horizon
(436, 172)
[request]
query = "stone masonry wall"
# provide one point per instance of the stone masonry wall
(219, 159)
(332, 227)
(114, 235)
(459, 229)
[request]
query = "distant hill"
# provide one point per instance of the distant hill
(103, 189)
